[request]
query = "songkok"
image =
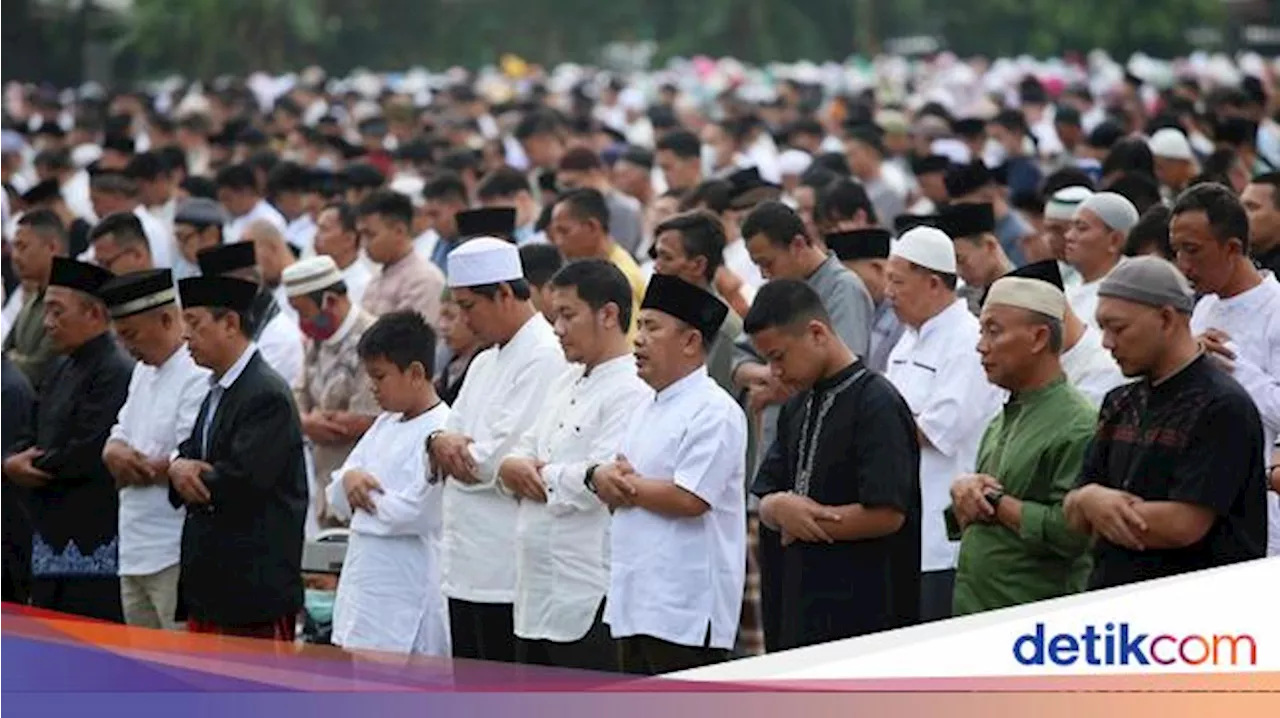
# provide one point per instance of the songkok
(218, 293)
(969, 127)
(1064, 203)
(484, 260)
(226, 258)
(410, 186)
(859, 244)
(966, 179)
(1148, 280)
(310, 275)
(138, 292)
(749, 189)
(794, 162)
(363, 175)
(967, 220)
(930, 163)
(904, 223)
(1170, 144)
(684, 301)
(43, 192)
(1029, 294)
(200, 211)
(487, 222)
(80, 276)
(927, 247)
(1113, 209)
(1044, 271)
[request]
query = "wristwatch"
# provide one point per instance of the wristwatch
(432, 437)
(993, 498)
(590, 481)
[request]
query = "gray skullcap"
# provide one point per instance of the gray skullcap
(1115, 210)
(1149, 280)
(200, 211)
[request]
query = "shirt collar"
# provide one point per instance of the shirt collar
(617, 365)
(232, 374)
(943, 317)
(826, 266)
(1034, 395)
(523, 334)
(682, 385)
(345, 327)
(91, 347)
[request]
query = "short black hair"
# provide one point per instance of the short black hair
(388, 204)
(701, 235)
(1272, 180)
(818, 178)
(461, 160)
(115, 183)
(1012, 120)
(834, 161)
(538, 122)
(1139, 188)
(1130, 154)
(346, 215)
(1151, 231)
(125, 229)
(1064, 178)
(714, 194)
(776, 221)
(519, 289)
(401, 338)
(599, 282)
(199, 186)
(502, 182)
(842, 200)
(47, 224)
(287, 177)
(587, 204)
(540, 262)
(238, 177)
(445, 185)
(681, 143)
(146, 166)
(782, 303)
(1227, 218)
(581, 159)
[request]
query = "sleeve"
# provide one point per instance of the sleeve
(283, 352)
(301, 396)
(405, 511)
(851, 316)
(18, 416)
(119, 432)
(80, 458)
(1222, 452)
(965, 399)
(1263, 388)
(744, 352)
(775, 471)
(566, 483)
(519, 409)
(334, 493)
(712, 452)
(888, 469)
(424, 295)
(259, 456)
(35, 363)
(1044, 523)
(194, 391)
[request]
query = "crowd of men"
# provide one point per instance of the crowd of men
(784, 373)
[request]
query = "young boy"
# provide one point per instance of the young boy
(389, 592)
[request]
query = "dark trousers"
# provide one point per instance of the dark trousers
(482, 631)
(649, 656)
(92, 597)
(936, 588)
(595, 651)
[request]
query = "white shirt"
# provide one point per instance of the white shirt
(12, 305)
(1090, 368)
(1252, 320)
(1083, 298)
(281, 345)
(262, 210)
(75, 192)
(738, 259)
(562, 546)
(356, 276)
(301, 233)
(158, 414)
(389, 593)
(159, 238)
(939, 374)
(425, 243)
(282, 300)
(501, 398)
(164, 213)
(671, 578)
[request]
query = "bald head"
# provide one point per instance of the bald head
(270, 250)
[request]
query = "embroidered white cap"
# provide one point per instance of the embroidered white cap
(1170, 144)
(1031, 294)
(926, 247)
(1064, 202)
(484, 260)
(1115, 210)
(794, 162)
(310, 275)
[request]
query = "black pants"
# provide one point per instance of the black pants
(95, 597)
(936, 588)
(649, 656)
(482, 631)
(595, 651)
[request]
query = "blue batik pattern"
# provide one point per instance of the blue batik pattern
(45, 561)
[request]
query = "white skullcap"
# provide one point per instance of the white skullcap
(953, 149)
(1170, 144)
(410, 186)
(924, 247)
(84, 155)
(310, 275)
(484, 260)
(1031, 294)
(1115, 210)
(1064, 203)
(794, 162)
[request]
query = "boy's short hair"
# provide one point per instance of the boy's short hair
(401, 338)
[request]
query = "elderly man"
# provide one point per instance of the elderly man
(1173, 481)
(73, 496)
(1015, 546)
(335, 403)
(272, 255)
(1095, 245)
(936, 368)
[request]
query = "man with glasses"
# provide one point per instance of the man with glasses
(120, 244)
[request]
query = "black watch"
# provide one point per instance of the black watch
(590, 481)
(993, 498)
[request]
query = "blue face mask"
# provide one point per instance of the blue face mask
(319, 605)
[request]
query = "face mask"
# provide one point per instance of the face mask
(321, 328)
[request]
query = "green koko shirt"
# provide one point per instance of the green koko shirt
(1034, 448)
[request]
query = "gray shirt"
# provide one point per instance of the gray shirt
(626, 220)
